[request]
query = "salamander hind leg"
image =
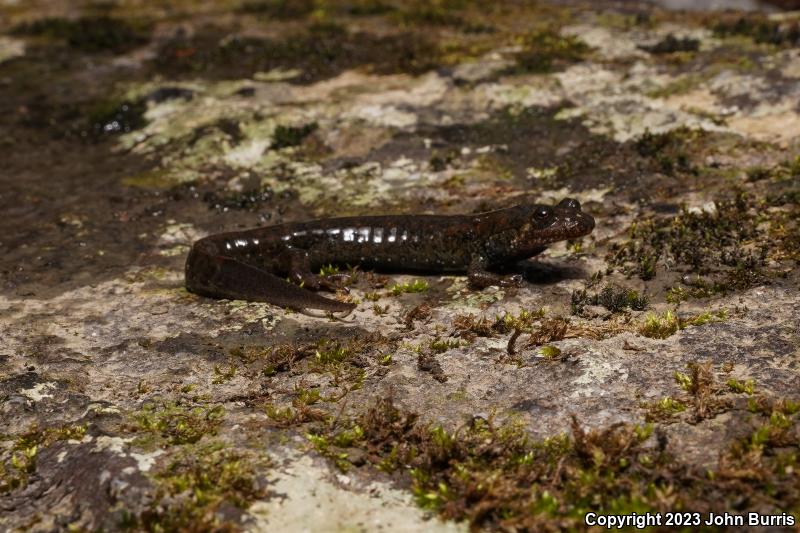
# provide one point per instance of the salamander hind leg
(296, 262)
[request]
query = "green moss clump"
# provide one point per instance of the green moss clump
(550, 352)
(432, 13)
(280, 9)
(205, 488)
(318, 52)
(657, 326)
(287, 136)
(612, 297)
(704, 242)
(742, 387)
(418, 285)
(332, 353)
(90, 34)
(671, 44)
(178, 424)
(669, 150)
(761, 30)
(250, 200)
(18, 460)
(495, 475)
(546, 51)
(113, 117)
(442, 345)
(664, 409)
(366, 8)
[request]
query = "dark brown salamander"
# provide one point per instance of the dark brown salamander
(254, 264)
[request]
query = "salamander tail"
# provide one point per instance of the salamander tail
(218, 276)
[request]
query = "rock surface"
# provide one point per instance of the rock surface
(652, 366)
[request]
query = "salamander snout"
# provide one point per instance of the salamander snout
(576, 223)
(570, 203)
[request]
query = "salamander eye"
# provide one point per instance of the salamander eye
(542, 213)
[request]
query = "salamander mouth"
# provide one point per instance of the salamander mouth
(568, 223)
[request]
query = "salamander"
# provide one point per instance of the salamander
(255, 264)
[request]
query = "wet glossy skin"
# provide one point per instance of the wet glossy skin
(254, 264)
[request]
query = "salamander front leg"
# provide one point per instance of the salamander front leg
(480, 278)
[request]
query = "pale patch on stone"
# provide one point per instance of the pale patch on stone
(116, 445)
(277, 74)
(595, 373)
(38, 392)
(145, 461)
(313, 503)
(781, 126)
(697, 100)
(424, 91)
(248, 154)
(583, 196)
(384, 115)
(481, 69)
(791, 64)
(525, 91)
(733, 84)
(11, 48)
(609, 44)
(178, 233)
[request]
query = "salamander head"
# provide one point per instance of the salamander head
(548, 224)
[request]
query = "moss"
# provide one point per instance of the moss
(318, 52)
(704, 394)
(90, 34)
(271, 359)
(682, 85)
(742, 387)
(331, 353)
(659, 326)
(362, 8)
(549, 330)
(280, 9)
(287, 136)
(546, 51)
(249, 199)
(704, 242)
(760, 29)
(442, 345)
(18, 458)
(113, 117)
(223, 376)
(523, 321)
(496, 476)
(664, 325)
(205, 488)
(612, 297)
(297, 414)
(471, 326)
(176, 423)
(669, 150)
(432, 13)
(671, 44)
(550, 352)
(664, 409)
(418, 285)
